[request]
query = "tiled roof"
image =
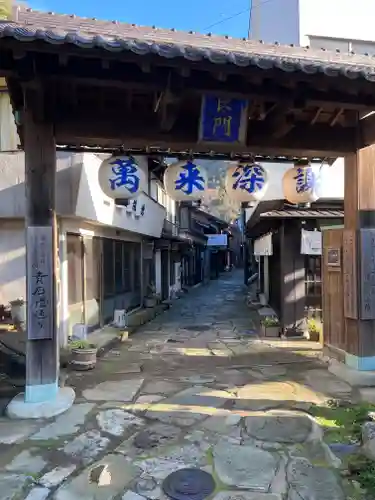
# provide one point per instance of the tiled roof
(303, 214)
(113, 36)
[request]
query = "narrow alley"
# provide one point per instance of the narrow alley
(196, 388)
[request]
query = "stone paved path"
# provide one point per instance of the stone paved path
(194, 388)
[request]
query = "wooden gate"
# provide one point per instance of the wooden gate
(334, 333)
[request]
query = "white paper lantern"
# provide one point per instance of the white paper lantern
(301, 184)
(121, 177)
(185, 180)
(246, 182)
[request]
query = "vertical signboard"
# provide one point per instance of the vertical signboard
(350, 275)
(40, 293)
(367, 276)
(223, 120)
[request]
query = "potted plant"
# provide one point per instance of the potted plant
(270, 327)
(314, 329)
(151, 298)
(83, 355)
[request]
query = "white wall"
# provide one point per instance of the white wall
(9, 140)
(177, 270)
(12, 261)
(78, 193)
(277, 20)
(337, 18)
(332, 181)
(342, 44)
(332, 178)
(158, 271)
(12, 183)
(94, 205)
(157, 192)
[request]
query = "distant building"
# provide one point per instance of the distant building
(302, 22)
(109, 256)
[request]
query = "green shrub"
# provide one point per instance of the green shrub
(81, 344)
(269, 321)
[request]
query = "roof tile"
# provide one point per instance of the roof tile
(114, 36)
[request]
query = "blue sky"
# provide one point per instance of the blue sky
(197, 15)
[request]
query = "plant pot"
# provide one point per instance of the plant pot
(271, 331)
(151, 301)
(314, 336)
(83, 359)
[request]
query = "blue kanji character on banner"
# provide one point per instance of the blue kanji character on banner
(305, 180)
(125, 175)
(250, 178)
(190, 180)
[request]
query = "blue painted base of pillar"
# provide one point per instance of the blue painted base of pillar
(58, 403)
(41, 393)
(364, 364)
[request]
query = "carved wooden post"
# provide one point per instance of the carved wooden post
(359, 259)
(40, 164)
(42, 397)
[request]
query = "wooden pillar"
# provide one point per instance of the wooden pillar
(292, 290)
(358, 259)
(40, 168)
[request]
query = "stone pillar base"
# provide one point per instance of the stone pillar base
(19, 409)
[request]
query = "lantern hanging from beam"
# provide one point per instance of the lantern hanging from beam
(185, 180)
(120, 177)
(301, 184)
(246, 181)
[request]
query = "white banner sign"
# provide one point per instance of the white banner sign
(311, 242)
(263, 245)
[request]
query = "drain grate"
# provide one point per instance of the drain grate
(189, 484)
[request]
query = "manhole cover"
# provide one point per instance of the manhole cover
(188, 484)
(197, 328)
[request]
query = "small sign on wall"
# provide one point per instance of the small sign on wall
(333, 258)
(217, 240)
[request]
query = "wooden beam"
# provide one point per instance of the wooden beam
(316, 116)
(367, 130)
(336, 116)
(124, 75)
(251, 109)
(280, 123)
(302, 141)
(40, 171)
(318, 81)
(167, 107)
(266, 109)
